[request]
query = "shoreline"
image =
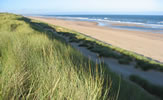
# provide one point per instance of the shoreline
(145, 43)
(131, 26)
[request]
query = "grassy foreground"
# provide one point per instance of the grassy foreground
(35, 64)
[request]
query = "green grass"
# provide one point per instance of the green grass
(35, 64)
(153, 89)
(107, 50)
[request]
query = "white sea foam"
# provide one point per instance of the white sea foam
(109, 22)
(136, 24)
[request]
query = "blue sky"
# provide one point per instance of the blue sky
(82, 6)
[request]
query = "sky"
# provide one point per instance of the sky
(151, 7)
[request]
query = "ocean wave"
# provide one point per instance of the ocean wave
(109, 21)
(134, 23)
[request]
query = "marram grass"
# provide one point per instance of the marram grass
(37, 65)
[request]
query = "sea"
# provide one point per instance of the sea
(149, 23)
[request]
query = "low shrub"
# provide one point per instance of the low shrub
(124, 61)
(147, 66)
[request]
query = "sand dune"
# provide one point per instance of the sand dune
(145, 43)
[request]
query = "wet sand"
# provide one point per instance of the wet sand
(145, 43)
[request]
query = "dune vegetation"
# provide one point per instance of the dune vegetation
(107, 50)
(36, 64)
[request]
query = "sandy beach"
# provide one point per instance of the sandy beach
(145, 43)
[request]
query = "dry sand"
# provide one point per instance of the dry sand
(145, 43)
